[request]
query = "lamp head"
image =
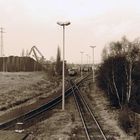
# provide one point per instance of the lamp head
(63, 23)
(92, 46)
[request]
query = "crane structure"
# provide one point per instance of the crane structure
(36, 51)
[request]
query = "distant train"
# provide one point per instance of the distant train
(72, 72)
(86, 69)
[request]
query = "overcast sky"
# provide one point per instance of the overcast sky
(93, 22)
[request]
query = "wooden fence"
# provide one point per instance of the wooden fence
(16, 64)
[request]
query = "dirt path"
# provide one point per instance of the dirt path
(107, 116)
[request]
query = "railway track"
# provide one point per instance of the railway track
(92, 128)
(33, 113)
(26, 118)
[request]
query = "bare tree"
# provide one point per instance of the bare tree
(117, 69)
(104, 53)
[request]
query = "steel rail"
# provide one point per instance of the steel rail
(45, 109)
(35, 112)
(79, 110)
(58, 100)
(90, 111)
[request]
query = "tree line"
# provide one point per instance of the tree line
(119, 73)
(119, 77)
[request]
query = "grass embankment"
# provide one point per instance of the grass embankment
(20, 87)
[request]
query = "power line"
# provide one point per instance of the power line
(2, 46)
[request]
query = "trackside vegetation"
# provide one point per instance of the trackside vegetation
(119, 76)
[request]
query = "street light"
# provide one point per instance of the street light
(81, 63)
(63, 24)
(87, 60)
(93, 62)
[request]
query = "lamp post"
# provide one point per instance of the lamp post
(93, 62)
(87, 60)
(81, 63)
(63, 24)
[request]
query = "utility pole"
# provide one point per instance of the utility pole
(2, 49)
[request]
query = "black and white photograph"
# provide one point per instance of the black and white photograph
(69, 70)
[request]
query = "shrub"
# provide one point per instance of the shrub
(125, 121)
